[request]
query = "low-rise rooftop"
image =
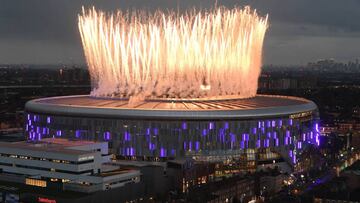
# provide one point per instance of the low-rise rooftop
(54, 145)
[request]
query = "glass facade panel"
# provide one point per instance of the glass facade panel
(180, 138)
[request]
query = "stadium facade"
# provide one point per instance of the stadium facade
(203, 129)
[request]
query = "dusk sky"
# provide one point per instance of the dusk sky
(45, 31)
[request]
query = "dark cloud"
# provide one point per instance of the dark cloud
(38, 31)
(332, 13)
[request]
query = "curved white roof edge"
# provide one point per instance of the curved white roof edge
(34, 106)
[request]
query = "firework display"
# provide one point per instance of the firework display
(140, 55)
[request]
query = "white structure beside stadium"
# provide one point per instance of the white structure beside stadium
(72, 165)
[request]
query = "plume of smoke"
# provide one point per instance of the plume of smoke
(141, 55)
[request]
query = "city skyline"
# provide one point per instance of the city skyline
(40, 32)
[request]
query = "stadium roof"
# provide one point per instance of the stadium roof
(221, 108)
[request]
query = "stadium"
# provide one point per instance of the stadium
(203, 129)
(156, 100)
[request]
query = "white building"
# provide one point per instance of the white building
(74, 165)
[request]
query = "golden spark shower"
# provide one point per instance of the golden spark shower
(198, 54)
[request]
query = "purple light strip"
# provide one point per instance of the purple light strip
(162, 152)
(242, 144)
(232, 137)
(204, 132)
(211, 125)
(221, 135)
(156, 131)
(127, 136)
(197, 145)
(150, 146)
(226, 125)
(184, 126)
(107, 136)
(254, 130)
(317, 139)
(294, 158)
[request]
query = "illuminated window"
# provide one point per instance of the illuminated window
(65, 180)
(35, 182)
